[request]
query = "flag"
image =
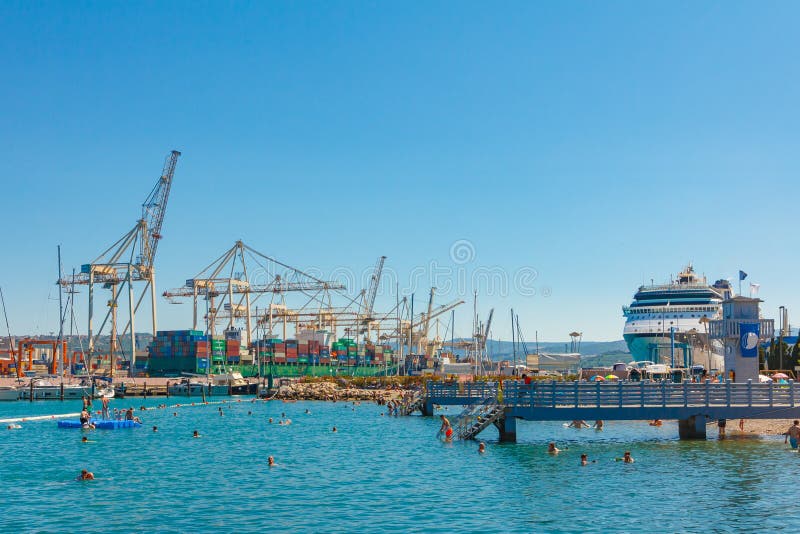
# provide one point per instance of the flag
(754, 289)
(742, 275)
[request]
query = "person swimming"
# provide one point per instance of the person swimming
(13, 426)
(334, 429)
(656, 422)
(578, 423)
(155, 429)
(598, 425)
(552, 449)
(584, 459)
(626, 458)
(86, 475)
(271, 461)
(195, 434)
(482, 448)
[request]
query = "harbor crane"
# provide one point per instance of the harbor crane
(368, 302)
(231, 274)
(130, 259)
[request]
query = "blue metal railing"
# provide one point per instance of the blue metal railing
(621, 394)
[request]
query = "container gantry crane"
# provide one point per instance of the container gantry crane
(231, 275)
(130, 259)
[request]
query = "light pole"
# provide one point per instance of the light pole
(780, 335)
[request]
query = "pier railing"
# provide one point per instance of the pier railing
(644, 394)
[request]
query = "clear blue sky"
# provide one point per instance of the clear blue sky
(600, 143)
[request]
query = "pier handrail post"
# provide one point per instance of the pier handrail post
(728, 393)
(577, 394)
(685, 393)
(619, 391)
(641, 392)
(770, 393)
(597, 392)
(708, 392)
(750, 392)
(553, 392)
(791, 393)
(663, 394)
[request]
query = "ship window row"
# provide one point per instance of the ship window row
(639, 317)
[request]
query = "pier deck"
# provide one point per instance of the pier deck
(692, 404)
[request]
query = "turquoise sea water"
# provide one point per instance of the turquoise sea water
(379, 474)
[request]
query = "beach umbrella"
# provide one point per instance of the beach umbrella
(612, 377)
(780, 375)
(597, 378)
(764, 379)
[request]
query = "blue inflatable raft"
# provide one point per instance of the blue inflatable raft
(102, 424)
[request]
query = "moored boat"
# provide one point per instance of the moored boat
(9, 393)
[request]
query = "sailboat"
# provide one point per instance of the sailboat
(8, 393)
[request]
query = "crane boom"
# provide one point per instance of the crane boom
(488, 326)
(153, 210)
(374, 282)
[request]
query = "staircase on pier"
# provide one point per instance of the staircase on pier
(474, 419)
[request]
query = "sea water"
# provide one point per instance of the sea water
(378, 473)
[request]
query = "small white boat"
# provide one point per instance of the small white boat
(194, 387)
(44, 389)
(9, 393)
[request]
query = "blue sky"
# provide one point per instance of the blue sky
(597, 144)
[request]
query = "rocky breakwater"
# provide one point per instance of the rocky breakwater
(328, 391)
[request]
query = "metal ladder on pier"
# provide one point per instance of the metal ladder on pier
(474, 419)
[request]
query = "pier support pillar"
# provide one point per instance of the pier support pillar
(692, 428)
(427, 409)
(507, 426)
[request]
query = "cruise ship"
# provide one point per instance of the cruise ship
(669, 321)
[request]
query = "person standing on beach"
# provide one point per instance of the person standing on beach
(792, 434)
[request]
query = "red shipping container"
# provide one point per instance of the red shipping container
(279, 359)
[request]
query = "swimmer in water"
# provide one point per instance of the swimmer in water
(334, 429)
(155, 429)
(584, 459)
(13, 426)
(552, 449)
(578, 423)
(271, 461)
(86, 475)
(482, 448)
(195, 434)
(598, 425)
(626, 458)
(84, 439)
(270, 420)
(656, 422)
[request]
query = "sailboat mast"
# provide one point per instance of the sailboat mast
(57, 348)
(18, 364)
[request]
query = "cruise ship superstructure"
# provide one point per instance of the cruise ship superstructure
(668, 323)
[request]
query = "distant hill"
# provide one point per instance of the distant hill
(502, 350)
